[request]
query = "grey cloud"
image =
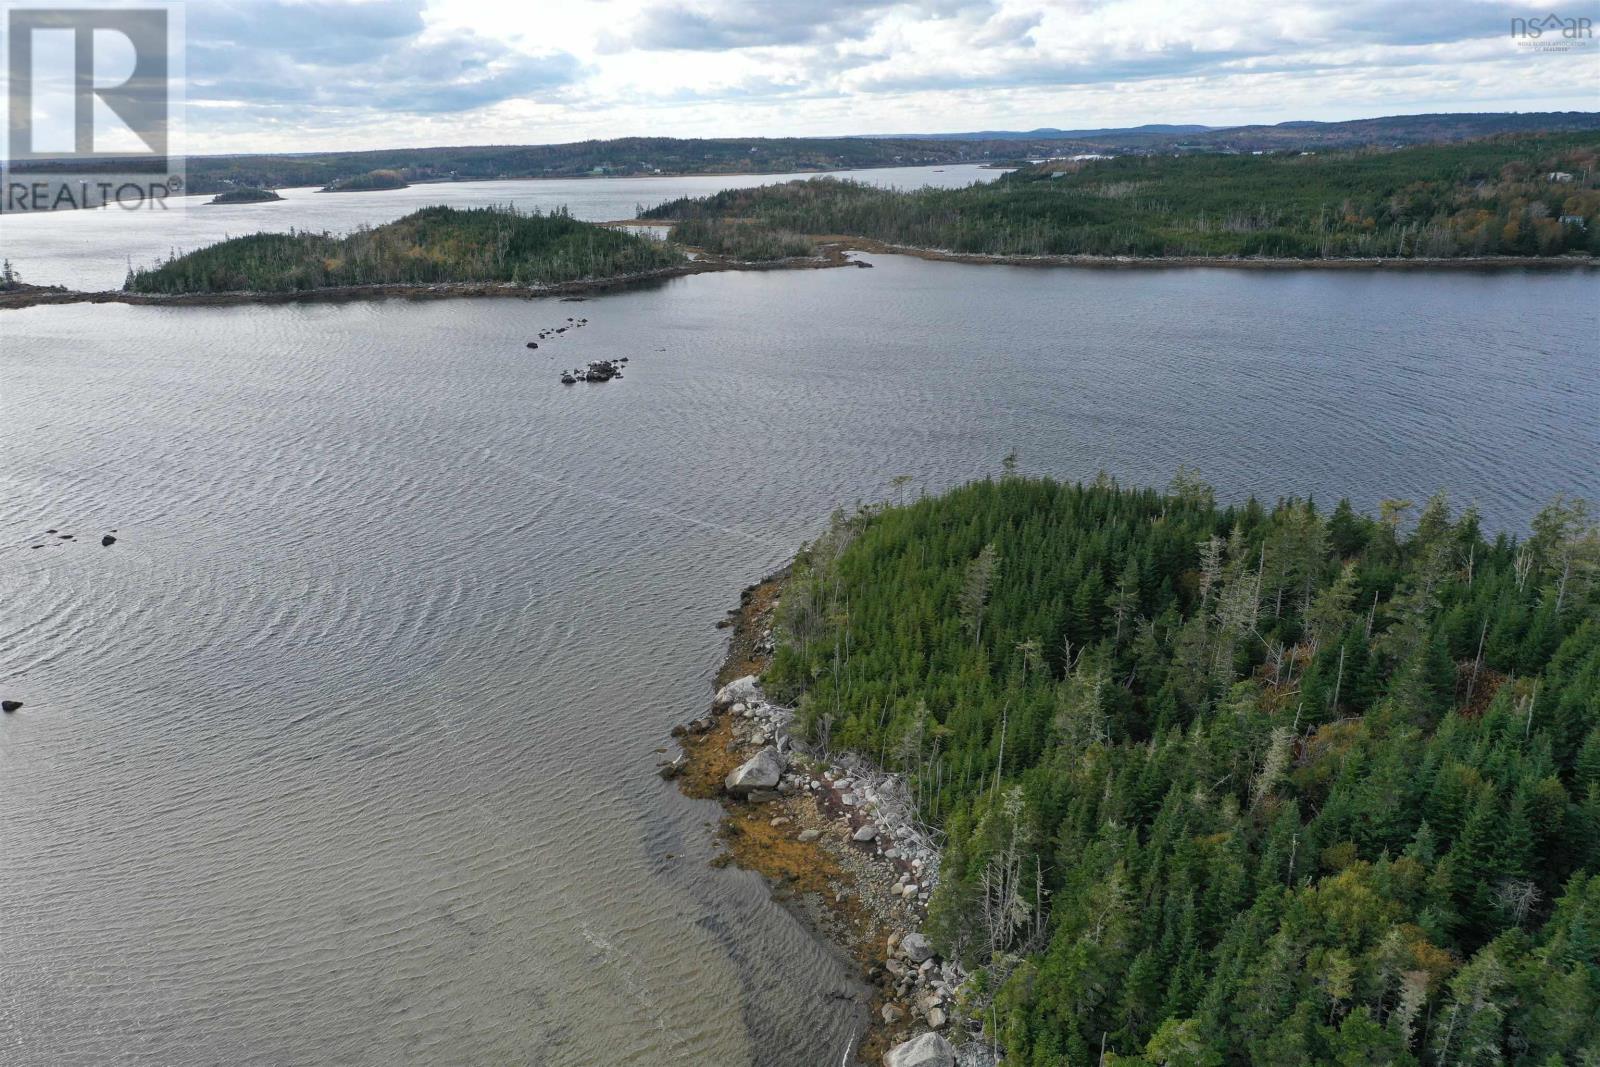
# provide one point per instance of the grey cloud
(355, 55)
(1366, 22)
(1422, 21)
(722, 25)
(715, 28)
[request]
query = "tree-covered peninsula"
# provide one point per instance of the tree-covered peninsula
(1232, 784)
(1511, 196)
(431, 246)
(371, 181)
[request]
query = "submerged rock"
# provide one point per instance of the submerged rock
(760, 771)
(107, 541)
(924, 1050)
(8, 706)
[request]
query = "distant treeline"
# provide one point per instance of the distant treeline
(623, 156)
(1519, 196)
(760, 155)
(436, 244)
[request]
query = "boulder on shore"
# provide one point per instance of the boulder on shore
(924, 1050)
(760, 771)
(916, 947)
(738, 691)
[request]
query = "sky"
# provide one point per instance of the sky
(298, 75)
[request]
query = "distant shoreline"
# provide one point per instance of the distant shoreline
(35, 296)
(834, 249)
(864, 244)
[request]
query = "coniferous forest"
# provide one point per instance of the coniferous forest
(1232, 784)
(1514, 196)
(435, 244)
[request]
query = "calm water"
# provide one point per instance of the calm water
(344, 752)
(93, 249)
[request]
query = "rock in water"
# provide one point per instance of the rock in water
(924, 1050)
(738, 691)
(107, 541)
(760, 771)
(8, 706)
(916, 947)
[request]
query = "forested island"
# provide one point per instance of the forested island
(430, 246)
(1237, 784)
(248, 194)
(1527, 196)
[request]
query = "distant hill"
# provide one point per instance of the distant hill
(776, 155)
(1049, 133)
(1301, 134)
(1395, 130)
(619, 157)
(771, 155)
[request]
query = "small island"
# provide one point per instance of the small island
(371, 181)
(435, 246)
(246, 194)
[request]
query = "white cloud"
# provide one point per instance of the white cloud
(303, 74)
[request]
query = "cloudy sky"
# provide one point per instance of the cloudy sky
(277, 75)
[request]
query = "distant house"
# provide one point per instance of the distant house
(1573, 220)
(1559, 176)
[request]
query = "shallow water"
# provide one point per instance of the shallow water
(344, 752)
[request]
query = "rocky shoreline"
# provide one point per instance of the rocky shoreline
(34, 296)
(839, 840)
(1100, 262)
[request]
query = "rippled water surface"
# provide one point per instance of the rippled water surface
(344, 752)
